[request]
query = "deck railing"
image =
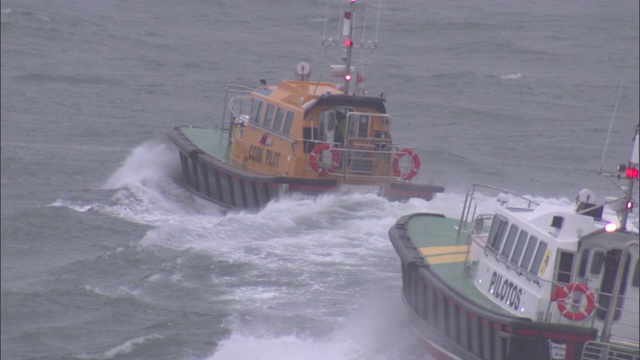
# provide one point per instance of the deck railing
(365, 161)
(597, 350)
(471, 203)
(237, 98)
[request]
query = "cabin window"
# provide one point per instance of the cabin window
(309, 135)
(537, 259)
(528, 252)
(363, 126)
(597, 261)
(498, 229)
(341, 117)
(288, 123)
(636, 275)
(256, 110)
(564, 267)
(583, 263)
(517, 252)
(494, 228)
(511, 240)
(278, 122)
(269, 115)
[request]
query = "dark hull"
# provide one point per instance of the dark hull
(234, 188)
(405, 191)
(450, 325)
(212, 178)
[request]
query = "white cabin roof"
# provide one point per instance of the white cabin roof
(558, 225)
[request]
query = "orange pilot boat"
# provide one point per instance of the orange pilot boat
(301, 136)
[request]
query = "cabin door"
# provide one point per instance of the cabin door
(625, 323)
(594, 268)
(327, 126)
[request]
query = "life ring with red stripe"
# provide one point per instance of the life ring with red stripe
(562, 295)
(317, 152)
(415, 166)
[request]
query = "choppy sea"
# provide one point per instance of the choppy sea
(106, 256)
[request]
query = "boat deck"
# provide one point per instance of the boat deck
(214, 142)
(445, 250)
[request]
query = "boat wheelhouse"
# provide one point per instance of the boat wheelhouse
(528, 281)
(301, 136)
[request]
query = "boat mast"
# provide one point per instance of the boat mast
(347, 30)
(632, 175)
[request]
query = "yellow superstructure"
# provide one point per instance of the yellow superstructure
(277, 128)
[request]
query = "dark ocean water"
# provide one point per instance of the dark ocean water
(104, 254)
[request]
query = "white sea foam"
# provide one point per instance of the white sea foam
(145, 192)
(377, 330)
(511, 76)
(73, 205)
(122, 349)
(147, 163)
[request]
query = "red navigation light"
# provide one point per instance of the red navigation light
(347, 77)
(632, 173)
(348, 43)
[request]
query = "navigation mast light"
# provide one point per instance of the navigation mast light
(632, 173)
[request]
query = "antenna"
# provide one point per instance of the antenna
(344, 40)
(606, 143)
(347, 30)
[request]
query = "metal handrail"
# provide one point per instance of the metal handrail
(470, 201)
(598, 350)
(380, 160)
(232, 90)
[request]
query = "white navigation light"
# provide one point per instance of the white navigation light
(346, 23)
(340, 70)
(610, 227)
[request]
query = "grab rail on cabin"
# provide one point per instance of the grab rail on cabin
(471, 203)
(233, 91)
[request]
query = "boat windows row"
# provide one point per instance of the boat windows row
(516, 247)
(271, 116)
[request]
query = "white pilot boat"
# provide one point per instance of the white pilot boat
(528, 281)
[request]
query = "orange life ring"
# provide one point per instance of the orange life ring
(414, 168)
(313, 158)
(562, 293)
